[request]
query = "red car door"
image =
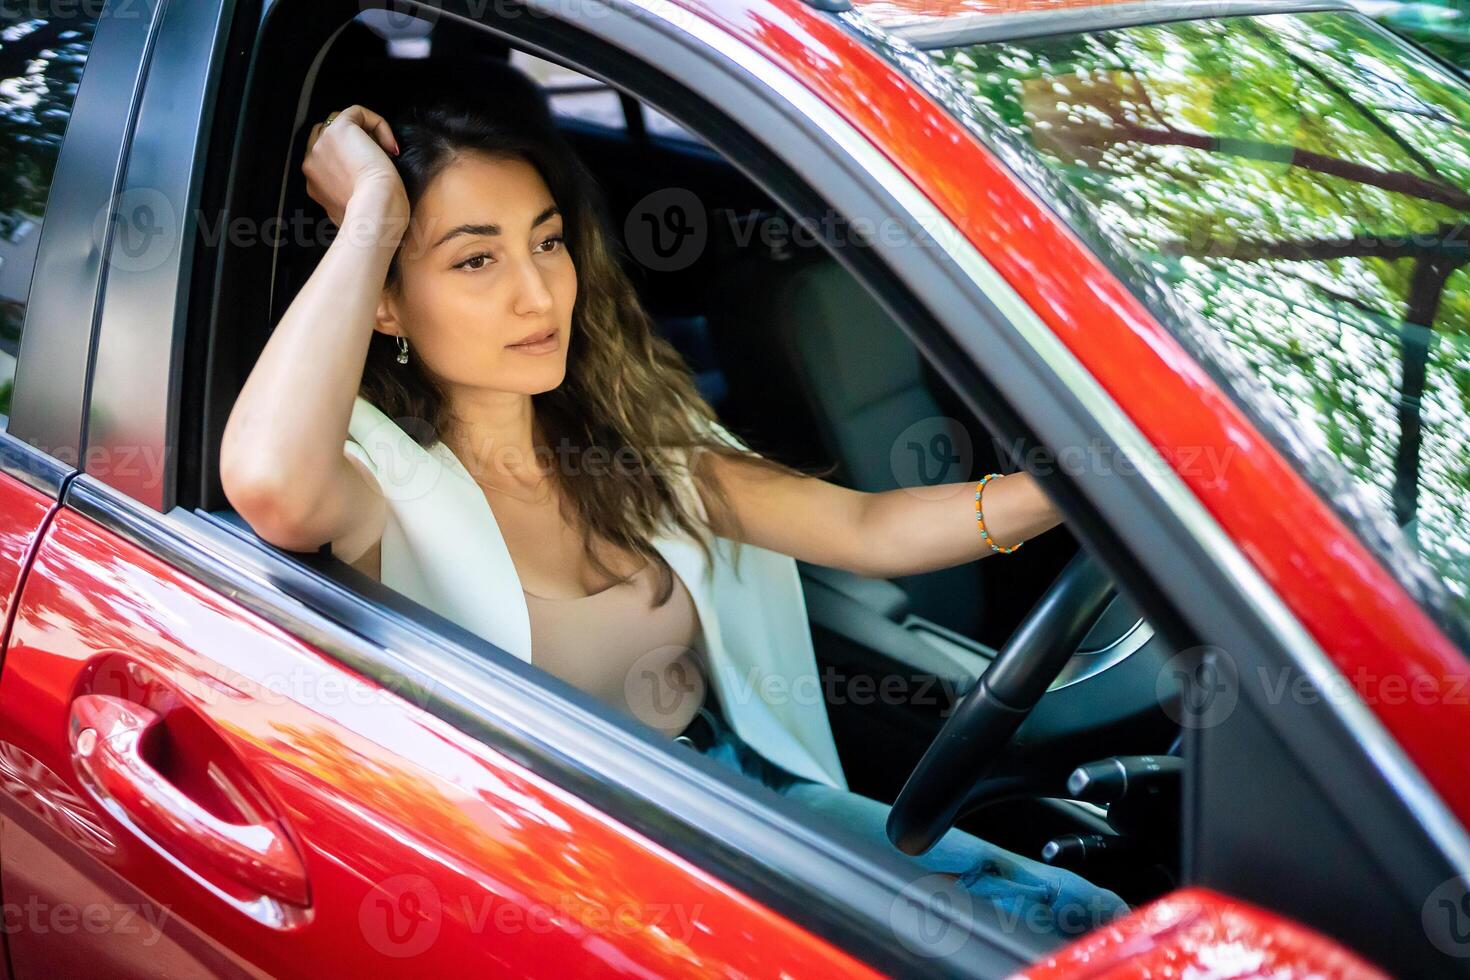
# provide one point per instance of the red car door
(206, 795)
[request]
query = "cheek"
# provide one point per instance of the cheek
(566, 285)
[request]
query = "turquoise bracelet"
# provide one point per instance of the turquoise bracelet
(980, 518)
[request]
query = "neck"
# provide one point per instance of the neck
(493, 433)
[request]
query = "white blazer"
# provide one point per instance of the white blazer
(442, 547)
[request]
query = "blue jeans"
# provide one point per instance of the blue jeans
(1029, 893)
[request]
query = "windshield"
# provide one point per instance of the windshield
(1289, 192)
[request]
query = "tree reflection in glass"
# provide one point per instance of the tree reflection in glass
(1299, 184)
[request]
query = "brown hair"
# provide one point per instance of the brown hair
(627, 392)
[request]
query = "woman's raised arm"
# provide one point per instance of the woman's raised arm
(282, 462)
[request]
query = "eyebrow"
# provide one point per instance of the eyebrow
(492, 229)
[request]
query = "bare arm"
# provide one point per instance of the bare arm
(282, 462)
(880, 535)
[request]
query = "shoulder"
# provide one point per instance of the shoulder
(390, 453)
(712, 428)
(363, 430)
(692, 460)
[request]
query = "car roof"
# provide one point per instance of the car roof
(892, 13)
(938, 23)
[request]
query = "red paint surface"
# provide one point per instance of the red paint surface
(1198, 932)
(22, 511)
(426, 853)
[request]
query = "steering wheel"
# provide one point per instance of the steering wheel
(994, 707)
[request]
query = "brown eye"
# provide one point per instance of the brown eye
(478, 257)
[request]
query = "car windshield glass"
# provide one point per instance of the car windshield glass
(1291, 193)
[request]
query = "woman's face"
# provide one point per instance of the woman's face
(483, 266)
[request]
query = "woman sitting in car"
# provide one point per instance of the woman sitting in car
(467, 401)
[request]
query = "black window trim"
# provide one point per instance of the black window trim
(144, 291)
(53, 360)
(1187, 554)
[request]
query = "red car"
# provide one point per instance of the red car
(1199, 267)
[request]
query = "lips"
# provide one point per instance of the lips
(534, 338)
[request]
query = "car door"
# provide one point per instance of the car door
(213, 797)
(200, 779)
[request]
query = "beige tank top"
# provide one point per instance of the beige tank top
(616, 646)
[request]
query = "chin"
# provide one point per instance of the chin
(543, 381)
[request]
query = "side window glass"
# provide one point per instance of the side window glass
(573, 95)
(41, 58)
(661, 125)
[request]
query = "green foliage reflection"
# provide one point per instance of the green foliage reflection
(1299, 183)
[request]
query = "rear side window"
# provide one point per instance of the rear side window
(1292, 194)
(41, 59)
(573, 95)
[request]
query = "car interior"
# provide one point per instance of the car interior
(804, 364)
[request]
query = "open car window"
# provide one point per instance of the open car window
(1291, 193)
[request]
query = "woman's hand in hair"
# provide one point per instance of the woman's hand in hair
(349, 159)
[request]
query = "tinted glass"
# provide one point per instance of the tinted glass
(1290, 192)
(41, 57)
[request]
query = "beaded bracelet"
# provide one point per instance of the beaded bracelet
(980, 518)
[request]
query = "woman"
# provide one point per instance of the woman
(471, 293)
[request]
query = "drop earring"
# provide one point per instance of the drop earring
(402, 349)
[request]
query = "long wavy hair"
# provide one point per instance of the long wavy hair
(627, 392)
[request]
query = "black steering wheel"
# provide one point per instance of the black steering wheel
(994, 707)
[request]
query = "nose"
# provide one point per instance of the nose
(532, 295)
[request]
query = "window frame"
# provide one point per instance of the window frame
(53, 360)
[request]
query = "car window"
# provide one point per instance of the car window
(573, 95)
(1292, 194)
(661, 125)
(41, 59)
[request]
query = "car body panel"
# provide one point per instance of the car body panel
(904, 13)
(23, 511)
(1196, 931)
(417, 840)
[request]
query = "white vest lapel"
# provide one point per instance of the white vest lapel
(443, 548)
